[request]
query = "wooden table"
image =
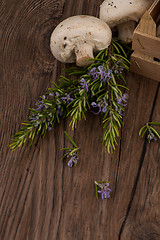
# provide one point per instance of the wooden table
(40, 197)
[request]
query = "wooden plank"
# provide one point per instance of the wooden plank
(146, 25)
(146, 44)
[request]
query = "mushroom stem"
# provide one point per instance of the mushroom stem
(83, 51)
(125, 31)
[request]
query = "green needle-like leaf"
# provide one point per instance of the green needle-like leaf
(70, 139)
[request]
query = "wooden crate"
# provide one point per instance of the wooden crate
(146, 45)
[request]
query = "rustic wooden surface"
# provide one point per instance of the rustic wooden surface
(40, 197)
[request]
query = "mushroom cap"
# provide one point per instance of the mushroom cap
(119, 11)
(79, 29)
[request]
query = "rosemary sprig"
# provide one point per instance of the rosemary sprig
(102, 187)
(98, 88)
(150, 132)
(72, 152)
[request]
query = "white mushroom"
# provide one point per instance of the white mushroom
(124, 14)
(77, 37)
(125, 31)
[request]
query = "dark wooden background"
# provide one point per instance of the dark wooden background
(40, 197)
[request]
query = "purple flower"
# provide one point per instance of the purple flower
(108, 75)
(105, 190)
(52, 94)
(72, 161)
(33, 118)
(67, 98)
(84, 84)
(93, 73)
(95, 105)
(122, 100)
(101, 106)
(57, 95)
(101, 72)
(104, 109)
(104, 75)
(151, 136)
(118, 67)
(41, 105)
(59, 111)
(49, 126)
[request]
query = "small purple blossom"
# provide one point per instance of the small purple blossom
(84, 84)
(101, 106)
(118, 67)
(52, 94)
(104, 109)
(122, 100)
(49, 126)
(108, 75)
(101, 72)
(93, 73)
(105, 190)
(33, 118)
(73, 160)
(67, 98)
(104, 75)
(41, 105)
(95, 105)
(59, 111)
(151, 136)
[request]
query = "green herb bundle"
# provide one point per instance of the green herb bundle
(150, 132)
(98, 88)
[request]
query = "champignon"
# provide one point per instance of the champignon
(124, 14)
(75, 39)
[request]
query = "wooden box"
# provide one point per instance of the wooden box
(145, 58)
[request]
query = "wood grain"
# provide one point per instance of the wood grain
(40, 197)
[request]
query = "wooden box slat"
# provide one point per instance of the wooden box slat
(146, 45)
(154, 9)
(145, 67)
